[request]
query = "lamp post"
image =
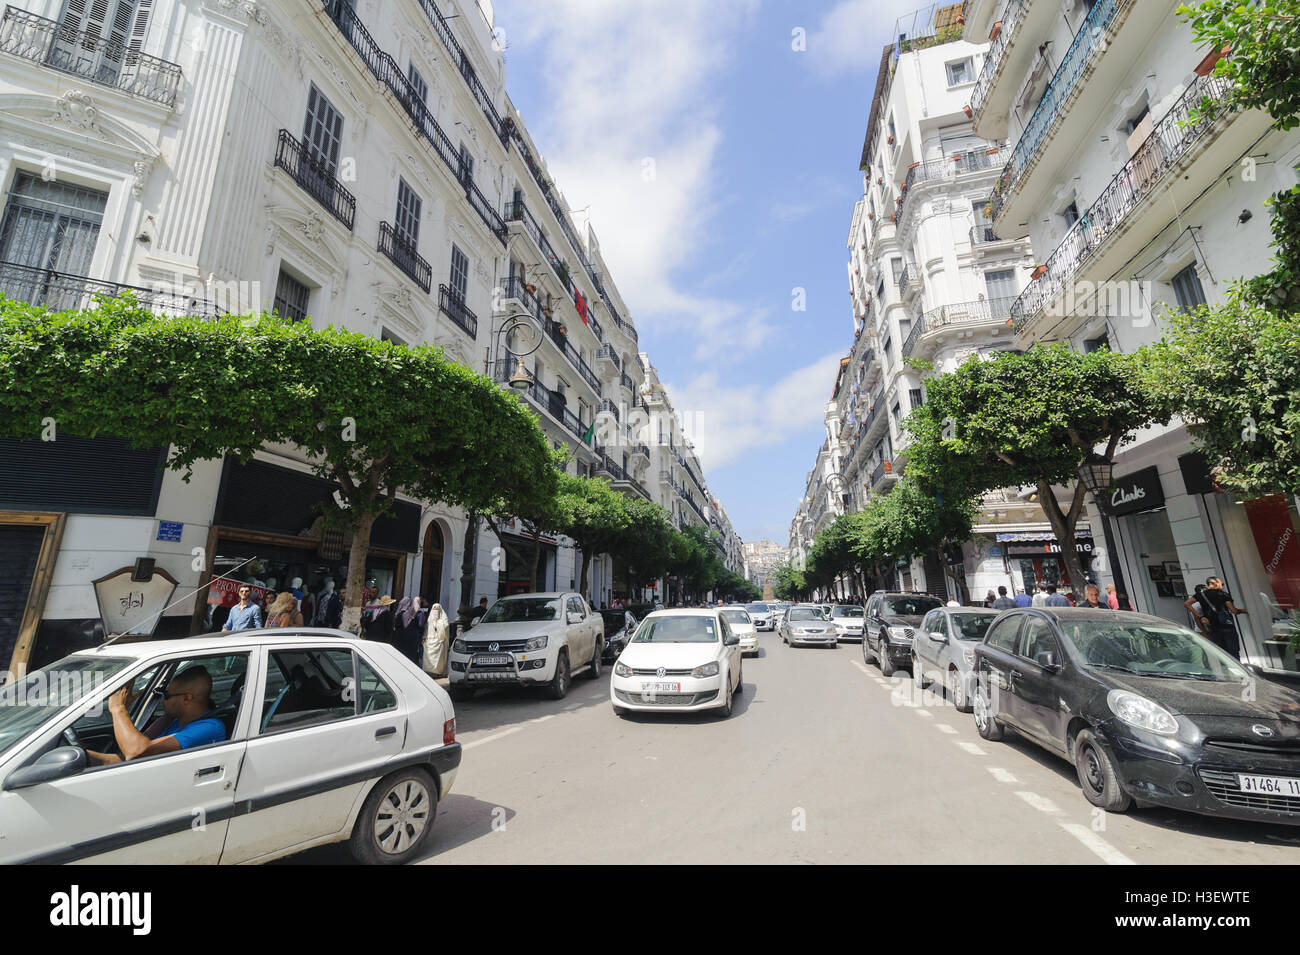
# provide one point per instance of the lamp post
(1097, 474)
(521, 379)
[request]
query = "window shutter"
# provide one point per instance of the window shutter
(141, 25)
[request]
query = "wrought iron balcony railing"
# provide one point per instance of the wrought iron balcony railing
(405, 257)
(1089, 41)
(982, 311)
(629, 384)
(1011, 17)
(454, 307)
(610, 408)
(315, 179)
(99, 59)
(62, 292)
(983, 234)
(575, 358)
(1169, 142)
(476, 88)
(948, 168)
(610, 354)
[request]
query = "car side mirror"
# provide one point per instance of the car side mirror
(936, 635)
(731, 640)
(574, 617)
(1047, 660)
(56, 764)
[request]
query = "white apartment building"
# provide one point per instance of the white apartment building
(1131, 210)
(346, 162)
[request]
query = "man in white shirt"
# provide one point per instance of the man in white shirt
(1040, 596)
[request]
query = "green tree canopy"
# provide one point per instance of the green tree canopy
(594, 515)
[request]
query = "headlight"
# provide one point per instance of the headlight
(537, 643)
(460, 646)
(709, 669)
(899, 633)
(1141, 712)
(969, 657)
(622, 669)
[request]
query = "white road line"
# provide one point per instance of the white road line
(1041, 803)
(542, 719)
(945, 728)
(488, 739)
(926, 713)
(571, 707)
(1108, 853)
(971, 748)
(1002, 775)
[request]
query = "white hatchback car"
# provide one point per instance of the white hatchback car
(682, 660)
(742, 625)
(326, 739)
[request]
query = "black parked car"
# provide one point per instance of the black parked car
(1144, 709)
(890, 626)
(619, 627)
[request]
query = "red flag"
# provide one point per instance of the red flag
(581, 304)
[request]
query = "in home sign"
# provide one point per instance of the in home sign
(1136, 492)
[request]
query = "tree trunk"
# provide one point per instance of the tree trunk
(582, 578)
(358, 551)
(467, 568)
(1063, 525)
(532, 574)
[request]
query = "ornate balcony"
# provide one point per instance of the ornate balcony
(62, 292)
(315, 179)
(950, 167)
(993, 312)
(607, 362)
(454, 307)
(100, 60)
(404, 256)
(994, 58)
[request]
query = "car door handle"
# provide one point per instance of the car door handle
(208, 771)
(385, 731)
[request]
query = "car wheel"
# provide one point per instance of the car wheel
(985, 723)
(725, 709)
(960, 698)
(740, 679)
(887, 667)
(396, 819)
(918, 674)
(622, 712)
(460, 692)
(1097, 775)
(558, 688)
(593, 671)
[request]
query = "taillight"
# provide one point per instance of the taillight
(449, 731)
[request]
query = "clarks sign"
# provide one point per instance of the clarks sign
(1140, 491)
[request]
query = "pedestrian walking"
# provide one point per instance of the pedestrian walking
(1040, 596)
(1092, 599)
(1219, 608)
(989, 598)
(1022, 599)
(1112, 598)
(245, 615)
(1196, 607)
(379, 622)
(436, 632)
(283, 611)
(407, 633)
(1053, 599)
(1003, 602)
(480, 610)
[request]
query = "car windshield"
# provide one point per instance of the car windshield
(910, 606)
(615, 620)
(806, 613)
(1151, 649)
(756, 608)
(736, 616)
(516, 609)
(41, 694)
(971, 626)
(696, 628)
(847, 612)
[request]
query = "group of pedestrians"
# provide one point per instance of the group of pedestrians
(414, 626)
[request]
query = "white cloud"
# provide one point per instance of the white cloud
(724, 419)
(852, 34)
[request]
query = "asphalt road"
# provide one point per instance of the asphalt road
(822, 761)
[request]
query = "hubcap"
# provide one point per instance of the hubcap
(1092, 770)
(402, 816)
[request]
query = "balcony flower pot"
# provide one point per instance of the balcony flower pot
(1206, 66)
(870, 215)
(1038, 272)
(913, 166)
(880, 180)
(891, 140)
(889, 467)
(562, 328)
(967, 110)
(894, 217)
(993, 151)
(997, 28)
(530, 289)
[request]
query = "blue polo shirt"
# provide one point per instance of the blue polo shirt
(1023, 600)
(244, 618)
(206, 729)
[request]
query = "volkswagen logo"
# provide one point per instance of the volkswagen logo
(494, 647)
(661, 672)
(1259, 729)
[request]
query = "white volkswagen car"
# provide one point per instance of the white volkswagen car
(321, 738)
(683, 660)
(742, 626)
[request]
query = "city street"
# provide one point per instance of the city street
(817, 737)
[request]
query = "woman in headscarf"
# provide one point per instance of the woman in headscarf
(407, 628)
(379, 625)
(435, 642)
(283, 611)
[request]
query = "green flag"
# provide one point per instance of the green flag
(586, 438)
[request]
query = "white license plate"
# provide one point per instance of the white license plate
(661, 687)
(500, 660)
(1272, 785)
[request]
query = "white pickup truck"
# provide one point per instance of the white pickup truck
(528, 640)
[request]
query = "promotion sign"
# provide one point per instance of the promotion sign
(224, 592)
(1279, 548)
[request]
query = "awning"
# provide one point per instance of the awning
(1036, 537)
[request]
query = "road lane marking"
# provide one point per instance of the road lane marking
(971, 748)
(1099, 846)
(1002, 775)
(1041, 803)
(488, 739)
(542, 719)
(920, 712)
(945, 728)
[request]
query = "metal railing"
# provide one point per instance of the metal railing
(101, 60)
(610, 408)
(62, 292)
(625, 380)
(405, 257)
(1090, 39)
(315, 179)
(1011, 17)
(963, 313)
(1170, 140)
(454, 307)
(517, 211)
(575, 359)
(476, 88)
(949, 167)
(608, 352)
(983, 234)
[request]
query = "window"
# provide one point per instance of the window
(1003, 634)
(904, 327)
(896, 266)
(1000, 284)
(880, 288)
(916, 397)
(459, 273)
(50, 225)
(387, 336)
(1187, 288)
(1071, 213)
(959, 72)
(893, 133)
(307, 688)
(116, 21)
(407, 222)
(322, 132)
(1132, 125)
(1098, 343)
(884, 349)
(373, 695)
(1038, 639)
(291, 297)
(418, 85)
(465, 170)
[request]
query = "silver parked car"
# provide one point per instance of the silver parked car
(944, 650)
(809, 625)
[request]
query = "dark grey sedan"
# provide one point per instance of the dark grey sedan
(944, 650)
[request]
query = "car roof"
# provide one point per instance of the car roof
(548, 593)
(685, 611)
(274, 636)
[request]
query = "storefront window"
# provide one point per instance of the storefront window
(1272, 572)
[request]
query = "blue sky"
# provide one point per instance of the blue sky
(720, 166)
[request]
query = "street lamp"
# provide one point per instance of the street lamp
(521, 379)
(1097, 474)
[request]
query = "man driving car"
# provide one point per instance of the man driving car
(186, 720)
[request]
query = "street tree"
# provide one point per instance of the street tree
(594, 515)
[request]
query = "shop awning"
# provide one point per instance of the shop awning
(1035, 537)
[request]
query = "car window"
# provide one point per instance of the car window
(971, 626)
(1003, 633)
(736, 616)
(373, 694)
(912, 606)
(932, 622)
(806, 613)
(575, 606)
(516, 609)
(306, 688)
(1038, 639)
(27, 702)
(683, 629)
(94, 730)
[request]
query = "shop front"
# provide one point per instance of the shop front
(1034, 560)
(1264, 533)
(1156, 579)
(514, 572)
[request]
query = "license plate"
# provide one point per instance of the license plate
(661, 687)
(1272, 785)
(500, 660)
